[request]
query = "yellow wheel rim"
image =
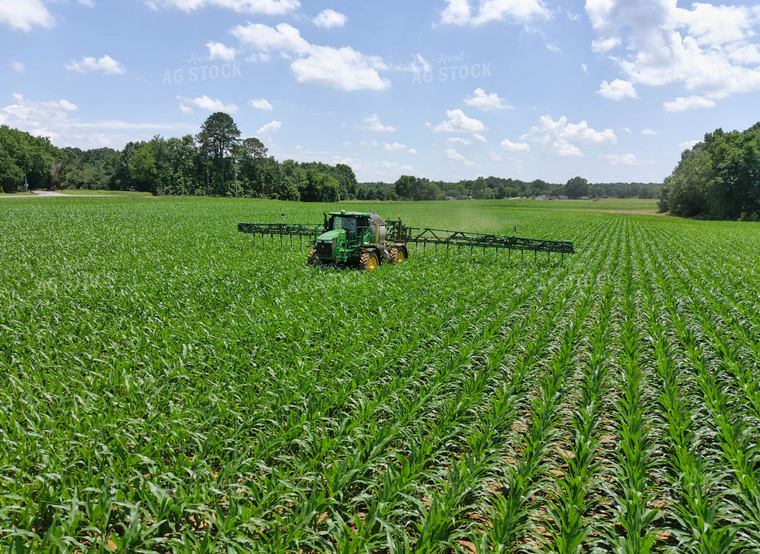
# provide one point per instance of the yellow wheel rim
(399, 256)
(372, 264)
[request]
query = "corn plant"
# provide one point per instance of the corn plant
(167, 385)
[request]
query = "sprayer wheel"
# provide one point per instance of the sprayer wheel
(369, 261)
(312, 259)
(397, 255)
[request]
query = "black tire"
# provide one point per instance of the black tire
(312, 259)
(397, 254)
(369, 261)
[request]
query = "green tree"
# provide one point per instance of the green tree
(122, 176)
(91, 169)
(24, 157)
(405, 186)
(254, 148)
(289, 183)
(686, 191)
(11, 175)
(408, 187)
(535, 188)
(718, 178)
(347, 179)
(252, 156)
(480, 189)
(143, 170)
(205, 156)
(576, 187)
(319, 187)
(734, 186)
(219, 133)
(183, 175)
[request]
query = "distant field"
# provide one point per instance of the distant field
(603, 204)
(168, 385)
(87, 192)
(79, 192)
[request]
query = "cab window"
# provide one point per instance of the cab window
(348, 223)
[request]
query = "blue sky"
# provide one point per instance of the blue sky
(611, 90)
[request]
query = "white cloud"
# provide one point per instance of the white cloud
(264, 38)
(460, 12)
(418, 65)
(267, 7)
(457, 12)
(25, 14)
(522, 11)
(717, 25)
(458, 140)
(706, 49)
(412, 151)
(573, 16)
(617, 90)
(479, 138)
(37, 118)
(682, 104)
(565, 150)
(458, 122)
(562, 139)
(621, 159)
(707, 71)
(551, 47)
(106, 65)
(650, 132)
(54, 119)
(584, 68)
(261, 104)
(205, 103)
(689, 144)
(342, 68)
(124, 125)
(218, 51)
(455, 156)
(604, 45)
(383, 170)
(373, 123)
(270, 128)
(395, 147)
(330, 18)
(744, 54)
(486, 102)
(88, 3)
(17, 67)
(518, 147)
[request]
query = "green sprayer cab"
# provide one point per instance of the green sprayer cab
(365, 240)
(355, 239)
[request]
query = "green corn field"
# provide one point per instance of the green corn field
(168, 384)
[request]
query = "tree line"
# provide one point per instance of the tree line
(215, 162)
(27, 160)
(718, 178)
(218, 162)
(414, 188)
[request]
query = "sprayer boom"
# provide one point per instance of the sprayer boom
(365, 240)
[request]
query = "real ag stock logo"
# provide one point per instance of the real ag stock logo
(447, 67)
(200, 69)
